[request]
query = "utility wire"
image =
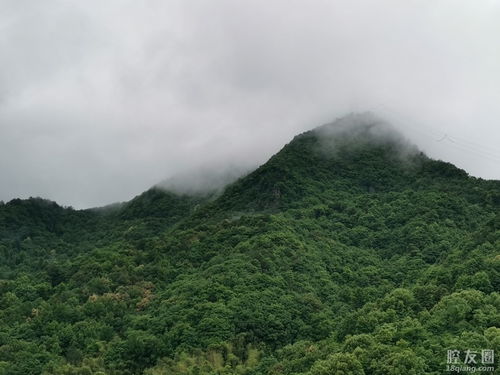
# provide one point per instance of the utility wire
(477, 149)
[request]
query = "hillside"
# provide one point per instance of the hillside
(348, 252)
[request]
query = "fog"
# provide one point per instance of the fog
(101, 100)
(205, 179)
(356, 131)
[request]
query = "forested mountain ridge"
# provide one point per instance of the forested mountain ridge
(348, 252)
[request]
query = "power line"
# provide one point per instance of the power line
(439, 136)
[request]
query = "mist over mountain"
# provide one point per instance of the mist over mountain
(203, 180)
(358, 130)
(348, 251)
(99, 101)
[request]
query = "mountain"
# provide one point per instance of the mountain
(348, 252)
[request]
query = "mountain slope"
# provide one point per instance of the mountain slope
(348, 251)
(348, 155)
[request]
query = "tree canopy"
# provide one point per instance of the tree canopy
(343, 254)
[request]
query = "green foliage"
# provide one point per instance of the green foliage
(338, 256)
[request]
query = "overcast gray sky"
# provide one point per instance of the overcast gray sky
(99, 100)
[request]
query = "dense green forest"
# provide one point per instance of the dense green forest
(348, 252)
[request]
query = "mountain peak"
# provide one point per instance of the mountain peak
(356, 153)
(358, 130)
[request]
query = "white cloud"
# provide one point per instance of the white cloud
(100, 100)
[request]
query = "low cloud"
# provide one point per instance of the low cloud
(355, 131)
(204, 181)
(100, 101)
